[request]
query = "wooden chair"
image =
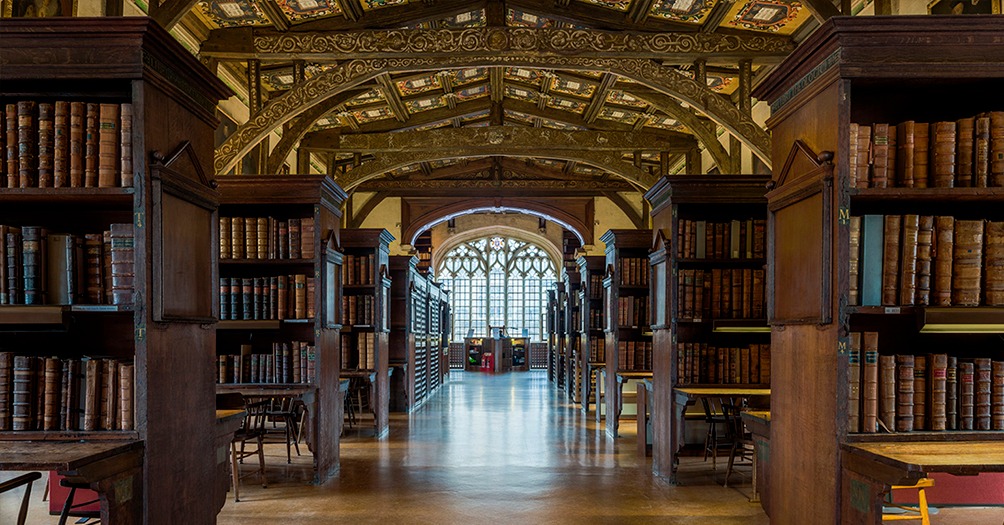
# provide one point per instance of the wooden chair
(252, 429)
(289, 411)
(23, 480)
(741, 440)
(69, 505)
(716, 428)
(920, 512)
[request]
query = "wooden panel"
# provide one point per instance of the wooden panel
(184, 283)
(798, 253)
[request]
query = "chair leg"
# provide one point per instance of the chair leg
(235, 472)
(728, 470)
(289, 458)
(925, 518)
(65, 513)
(261, 463)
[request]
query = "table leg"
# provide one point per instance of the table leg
(755, 497)
(642, 420)
(586, 383)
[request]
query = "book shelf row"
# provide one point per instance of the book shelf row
(262, 298)
(734, 239)
(39, 267)
(49, 393)
(632, 311)
(633, 271)
(925, 260)
(967, 153)
(634, 355)
(736, 293)
(932, 392)
(64, 144)
(597, 345)
(288, 362)
(359, 351)
(266, 238)
(357, 310)
(702, 363)
(358, 269)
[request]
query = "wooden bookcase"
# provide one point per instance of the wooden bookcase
(709, 231)
(270, 207)
(865, 71)
(439, 334)
(625, 303)
(163, 322)
(366, 280)
(573, 309)
(550, 325)
(592, 342)
(415, 335)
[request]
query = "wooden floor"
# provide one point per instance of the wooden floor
(493, 449)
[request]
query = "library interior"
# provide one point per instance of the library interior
(711, 262)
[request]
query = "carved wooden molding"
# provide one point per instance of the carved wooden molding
(291, 136)
(246, 42)
(352, 73)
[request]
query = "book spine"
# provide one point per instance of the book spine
(943, 154)
(868, 346)
(919, 392)
(22, 396)
(91, 130)
(53, 379)
(32, 257)
(937, 408)
(904, 393)
(863, 157)
(6, 389)
(854, 384)
(908, 259)
(967, 375)
(307, 234)
(72, 399)
(250, 237)
(890, 259)
(60, 145)
(300, 300)
(27, 143)
(75, 173)
(109, 134)
(996, 149)
(997, 396)
(61, 266)
(247, 299)
(125, 146)
(261, 229)
(225, 299)
(921, 150)
(46, 144)
(925, 243)
(905, 148)
(13, 157)
(964, 152)
(225, 239)
(944, 252)
(951, 394)
(126, 373)
(123, 269)
(109, 394)
(981, 392)
(854, 261)
(967, 263)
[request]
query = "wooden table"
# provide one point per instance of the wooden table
(112, 468)
(758, 423)
(227, 422)
(623, 377)
(644, 388)
(374, 406)
(688, 395)
(305, 392)
(589, 385)
(869, 469)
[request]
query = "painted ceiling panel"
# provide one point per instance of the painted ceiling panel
(619, 5)
(690, 11)
(533, 77)
(372, 96)
(372, 114)
(621, 98)
(466, 76)
(296, 10)
(517, 18)
(567, 104)
(572, 86)
(623, 116)
(772, 16)
(419, 84)
(425, 103)
(233, 13)
(377, 4)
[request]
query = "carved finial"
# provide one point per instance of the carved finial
(825, 157)
(158, 156)
(771, 184)
(214, 184)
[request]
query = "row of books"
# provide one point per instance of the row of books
(39, 267)
(966, 153)
(597, 345)
(634, 355)
(925, 260)
(933, 392)
(292, 362)
(735, 239)
(357, 310)
(596, 319)
(66, 145)
(595, 286)
(358, 269)
(266, 238)
(52, 394)
(262, 298)
(633, 271)
(538, 355)
(359, 351)
(632, 312)
(701, 363)
(736, 293)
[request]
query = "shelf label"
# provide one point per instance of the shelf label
(842, 344)
(139, 219)
(893, 310)
(141, 332)
(844, 216)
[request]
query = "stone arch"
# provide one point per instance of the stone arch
(553, 251)
(352, 73)
(578, 225)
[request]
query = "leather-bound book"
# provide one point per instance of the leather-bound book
(60, 145)
(61, 268)
(880, 156)
(63, 391)
(247, 298)
(747, 293)
(237, 241)
(909, 246)
(736, 279)
(78, 123)
(904, 393)
(221, 369)
(125, 146)
(307, 238)
(892, 225)
(870, 382)
(3, 147)
(937, 377)
(6, 388)
(71, 399)
(726, 294)
(854, 384)
(126, 373)
(887, 390)
(967, 376)
(109, 158)
(967, 264)
(993, 264)
(106, 254)
(890, 161)
(92, 394)
(250, 237)
(12, 155)
(919, 392)
(864, 157)
(942, 155)
(33, 262)
(94, 268)
(921, 154)
(284, 242)
(109, 394)
(981, 151)
(23, 393)
(757, 307)
(92, 128)
(282, 296)
(257, 303)
(981, 392)
(261, 227)
(295, 241)
(964, 153)
(996, 149)
(225, 240)
(871, 260)
(952, 394)
(925, 242)
(997, 395)
(906, 146)
(225, 299)
(642, 317)
(852, 155)
(123, 264)
(53, 379)
(944, 253)
(27, 143)
(46, 143)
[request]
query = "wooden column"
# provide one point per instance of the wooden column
(260, 152)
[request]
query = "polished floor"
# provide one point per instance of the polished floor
(493, 450)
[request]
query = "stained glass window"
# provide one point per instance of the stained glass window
(497, 281)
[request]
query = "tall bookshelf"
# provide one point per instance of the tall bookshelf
(439, 317)
(835, 83)
(550, 326)
(628, 345)
(366, 286)
(153, 307)
(414, 337)
(280, 296)
(708, 295)
(573, 311)
(592, 342)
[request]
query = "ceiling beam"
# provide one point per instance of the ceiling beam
(481, 187)
(393, 100)
(599, 98)
(411, 13)
(583, 14)
(300, 127)
(823, 9)
(169, 12)
(267, 44)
